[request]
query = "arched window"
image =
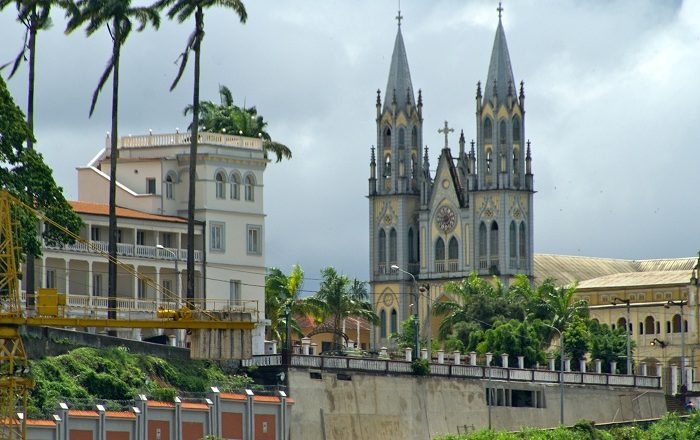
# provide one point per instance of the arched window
(387, 166)
(482, 240)
(392, 245)
(502, 132)
(488, 161)
(382, 323)
(414, 167)
(523, 241)
(513, 244)
(250, 188)
(169, 180)
(411, 247)
(488, 130)
(685, 326)
(235, 186)
(453, 249)
(641, 328)
(414, 137)
(381, 251)
(387, 137)
(516, 129)
(622, 323)
(220, 179)
(494, 240)
(649, 325)
(439, 249)
(402, 137)
(668, 326)
(394, 323)
(676, 322)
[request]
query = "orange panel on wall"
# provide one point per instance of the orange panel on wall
(80, 434)
(232, 425)
(154, 426)
(117, 435)
(264, 427)
(192, 430)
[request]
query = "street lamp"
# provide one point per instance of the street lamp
(415, 310)
(658, 342)
(681, 304)
(561, 374)
(178, 335)
(615, 302)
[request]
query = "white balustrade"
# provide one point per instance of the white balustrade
(184, 139)
(439, 369)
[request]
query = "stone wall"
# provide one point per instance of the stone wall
(334, 405)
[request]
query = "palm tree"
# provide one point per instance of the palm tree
(229, 118)
(282, 300)
(35, 16)
(561, 304)
(117, 16)
(183, 9)
(339, 298)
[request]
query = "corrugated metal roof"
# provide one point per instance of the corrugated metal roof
(665, 264)
(638, 279)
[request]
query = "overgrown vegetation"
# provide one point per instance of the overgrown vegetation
(88, 375)
(670, 427)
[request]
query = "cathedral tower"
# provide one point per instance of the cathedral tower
(394, 191)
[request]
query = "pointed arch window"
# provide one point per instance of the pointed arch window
(235, 186)
(392, 245)
(402, 137)
(387, 137)
(523, 244)
(414, 167)
(414, 137)
(453, 249)
(502, 132)
(250, 188)
(381, 245)
(513, 239)
(488, 161)
(488, 130)
(439, 249)
(220, 180)
(493, 242)
(482, 240)
(516, 129)
(411, 247)
(394, 323)
(387, 166)
(382, 323)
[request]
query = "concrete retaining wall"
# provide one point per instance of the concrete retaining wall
(361, 405)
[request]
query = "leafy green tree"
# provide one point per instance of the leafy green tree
(35, 16)
(338, 298)
(182, 10)
(24, 174)
(406, 336)
(229, 118)
(282, 295)
(577, 337)
(118, 16)
(515, 338)
(609, 345)
(558, 305)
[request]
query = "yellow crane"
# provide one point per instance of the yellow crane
(15, 381)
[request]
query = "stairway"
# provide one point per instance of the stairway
(676, 404)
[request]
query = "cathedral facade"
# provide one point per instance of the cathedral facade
(472, 213)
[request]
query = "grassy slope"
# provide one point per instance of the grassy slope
(86, 375)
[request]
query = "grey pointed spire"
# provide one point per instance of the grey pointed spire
(500, 76)
(399, 76)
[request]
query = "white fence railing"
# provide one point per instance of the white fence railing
(171, 139)
(452, 370)
(129, 250)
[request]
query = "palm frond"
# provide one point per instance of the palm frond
(103, 80)
(20, 57)
(183, 59)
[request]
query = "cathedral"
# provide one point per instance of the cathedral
(473, 214)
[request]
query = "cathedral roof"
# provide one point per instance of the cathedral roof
(399, 77)
(500, 70)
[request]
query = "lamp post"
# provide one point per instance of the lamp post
(415, 310)
(681, 304)
(178, 335)
(615, 302)
(561, 374)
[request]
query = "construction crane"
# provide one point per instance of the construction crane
(15, 381)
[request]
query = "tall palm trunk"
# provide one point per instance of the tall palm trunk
(29, 289)
(199, 24)
(113, 156)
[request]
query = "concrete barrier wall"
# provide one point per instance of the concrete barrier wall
(352, 405)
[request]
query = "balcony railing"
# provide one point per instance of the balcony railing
(483, 263)
(168, 139)
(447, 266)
(129, 250)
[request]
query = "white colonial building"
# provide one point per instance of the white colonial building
(152, 187)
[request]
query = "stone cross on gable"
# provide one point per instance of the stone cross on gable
(500, 10)
(446, 130)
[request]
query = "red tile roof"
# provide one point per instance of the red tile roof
(157, 404)
(190, 405)
(231, 396)
(273, 399)
(120, 414)
(103, 209)
(82, 413)
(40, 422)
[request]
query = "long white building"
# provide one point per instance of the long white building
(152, 186)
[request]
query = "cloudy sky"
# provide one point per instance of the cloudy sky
(611, 101)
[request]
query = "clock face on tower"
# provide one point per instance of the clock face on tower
(446, 219)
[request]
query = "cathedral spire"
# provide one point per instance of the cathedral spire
(500, 76)
(399, 81)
